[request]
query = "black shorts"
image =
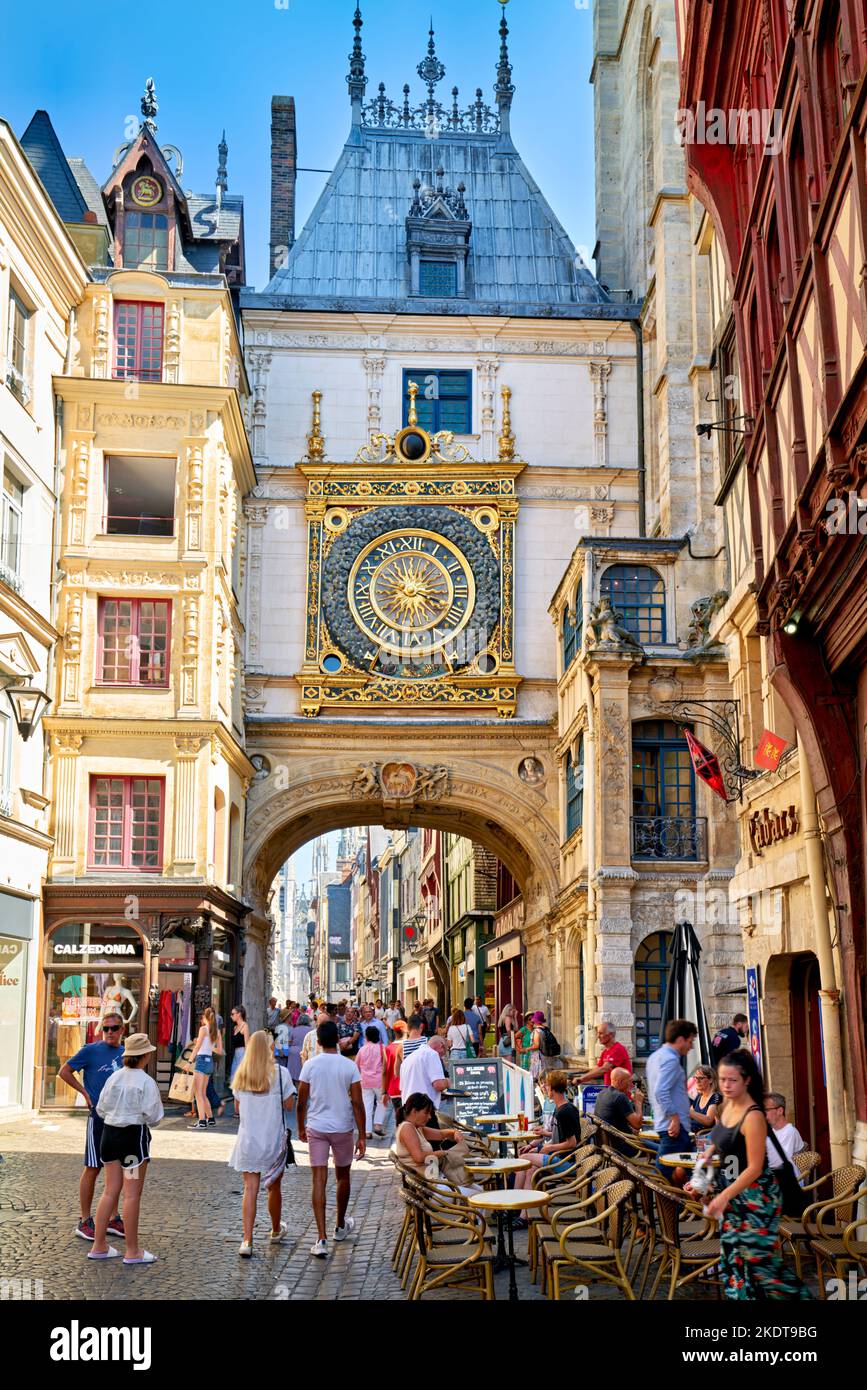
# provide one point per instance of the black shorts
(129, 1145)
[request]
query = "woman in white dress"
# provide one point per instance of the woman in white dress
(263, 1091)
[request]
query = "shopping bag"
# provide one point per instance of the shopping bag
(381, 1114)
(182, 1086)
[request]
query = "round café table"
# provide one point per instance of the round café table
(514, 1136)
(498, 1169)
(684, 1160)
(505, 1204)
(648, 1134)
(482, 1120)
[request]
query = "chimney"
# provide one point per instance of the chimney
(284, 162)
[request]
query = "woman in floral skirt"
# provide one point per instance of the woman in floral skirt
(749, 1207)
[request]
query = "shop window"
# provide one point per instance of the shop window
(651, 978)
(18, 348)
(89, 968)
(13, 1001)
(575, 790)
(11, 523)
(443, 401)
(138, 340)
(134, 638)
(126, 823)
(572, 631)
(637, 593)
(146, 241)
(139, 496)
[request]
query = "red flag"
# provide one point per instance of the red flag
(706, 765)
(771, 748)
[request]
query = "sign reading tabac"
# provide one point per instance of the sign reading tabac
(770, 827)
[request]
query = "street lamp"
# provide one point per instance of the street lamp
(28, 702)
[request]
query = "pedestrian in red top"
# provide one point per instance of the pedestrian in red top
(390, 1077)
(613, 1055)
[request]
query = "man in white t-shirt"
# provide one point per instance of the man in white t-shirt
(785, 1133)
(422, 1074)
(329, 1101)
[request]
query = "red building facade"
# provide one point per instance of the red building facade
(774, 117)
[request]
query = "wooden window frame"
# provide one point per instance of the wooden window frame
(421, 375)
(135, 652)
(137, 372)
(127, 866)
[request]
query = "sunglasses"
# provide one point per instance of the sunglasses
(112, 1027)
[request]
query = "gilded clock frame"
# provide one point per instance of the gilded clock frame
(477, 491)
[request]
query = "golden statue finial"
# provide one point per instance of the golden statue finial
(507, 438)
(316, 439)
(412, 418)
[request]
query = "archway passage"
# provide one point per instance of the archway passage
(494, 785)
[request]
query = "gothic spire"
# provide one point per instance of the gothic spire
(504, 90)
(431, 70)
(149, 106)
(357, 79)
(222, 155)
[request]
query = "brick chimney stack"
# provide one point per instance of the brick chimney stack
(284, 164)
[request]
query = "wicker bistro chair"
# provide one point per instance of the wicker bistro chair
(441, 1194)
(566, 1192)
(798, 1234)
(591, 1248)
(806, 1162)
(463, 1262)
(581, 1206)
(694, 1253)
(840, 1250)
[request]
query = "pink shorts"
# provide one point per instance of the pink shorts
(341, 1145)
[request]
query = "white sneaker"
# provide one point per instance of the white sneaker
(276, 1237)
(245, 1249)
(320, 1249)
(341, 1232)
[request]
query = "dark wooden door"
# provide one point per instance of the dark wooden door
(809, 1108)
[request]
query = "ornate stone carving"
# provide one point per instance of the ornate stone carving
(189, 673)
(101, 336)
(135, 420)
(599, 374)
(173, 342)
(375, 370)
(400, 781)
(606, 632)
(72, 649)
(702, 614)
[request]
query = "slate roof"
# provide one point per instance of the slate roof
(90, 190)
(43, 149)
(352, 252)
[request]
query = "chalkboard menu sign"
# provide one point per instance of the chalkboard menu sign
(481, 1077)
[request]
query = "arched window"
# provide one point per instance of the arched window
(651, 977)
(575, 790)
(571, 633)
(664, 824)
(637, 593)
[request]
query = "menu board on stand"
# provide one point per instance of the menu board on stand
(481, 1078)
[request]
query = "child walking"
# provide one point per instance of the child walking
(129, 1104)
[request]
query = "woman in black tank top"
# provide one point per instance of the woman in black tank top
(749, 1205)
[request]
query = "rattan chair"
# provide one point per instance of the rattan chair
(696, 1253)
(797, 1234)
(563, 1194)
(840, 1249)
(548, 1232)
(592, 1248)
(806, 1162)
(463, 1261)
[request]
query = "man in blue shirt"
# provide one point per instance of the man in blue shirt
(369, 1020)
(96, 1061)
(666, 1081)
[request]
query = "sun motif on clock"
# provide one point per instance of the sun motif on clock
(411, 589)
(146, 191)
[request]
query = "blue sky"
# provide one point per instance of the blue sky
(218, 64)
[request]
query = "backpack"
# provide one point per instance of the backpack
(430, 1022)
(549, 1046)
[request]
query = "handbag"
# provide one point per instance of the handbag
(794, 1196)
(182, 1087)
(469, 1049)
(290, 1152)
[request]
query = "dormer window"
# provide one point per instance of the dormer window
(438, 232)
(146, 241)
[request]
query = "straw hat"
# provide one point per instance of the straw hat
(137, 1045)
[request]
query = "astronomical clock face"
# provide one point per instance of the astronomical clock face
(413, 593)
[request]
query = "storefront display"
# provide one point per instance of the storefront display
(91, 968)
(13, 993)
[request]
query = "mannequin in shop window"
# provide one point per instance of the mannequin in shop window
(114, 997)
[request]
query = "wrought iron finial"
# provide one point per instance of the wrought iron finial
(412, 415)
(504, 90)
(316, 439)
(222, 156)
(357, 79)
(507, 437)
(431, 70)
(149, 107)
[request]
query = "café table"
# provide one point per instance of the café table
(505, 1204)
(648, 1134)
(684, 1160)
(498, 1169)
(494, 1119)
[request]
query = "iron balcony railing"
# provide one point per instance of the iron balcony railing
(669, 837)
